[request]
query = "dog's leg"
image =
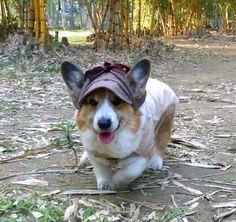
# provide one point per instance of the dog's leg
(162, 137)
(133, 169)
(103, 173)
(84, 160)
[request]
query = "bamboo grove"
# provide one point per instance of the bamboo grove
(27, 15)
(119, 22)
(116, 23)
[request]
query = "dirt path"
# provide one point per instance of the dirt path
(202, 72)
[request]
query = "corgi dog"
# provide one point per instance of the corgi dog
(123, 116)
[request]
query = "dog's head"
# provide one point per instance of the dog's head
(106, 111)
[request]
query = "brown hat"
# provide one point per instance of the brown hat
(112, 77)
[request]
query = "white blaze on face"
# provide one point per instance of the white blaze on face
(105, 122)
(106, 111)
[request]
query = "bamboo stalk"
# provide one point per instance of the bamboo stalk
(87, 4)
(127, 23)
(154, 8)
(116, 27)
(139, 17)
(31, 18)
(7, 8)
(36, 27)
(42, 23)
(23, 14)
(2, 9)
(109, 31)
(101, 28)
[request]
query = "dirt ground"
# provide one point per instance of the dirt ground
(200, 164)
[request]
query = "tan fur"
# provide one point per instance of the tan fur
(163, 130)
(160, 137)
(125, 111)
(84, 117)
(132, 118)
(135, 122)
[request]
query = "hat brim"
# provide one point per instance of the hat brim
(113, 86)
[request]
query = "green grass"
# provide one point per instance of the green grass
(75, 37)
(170, 214)
(204, 129)
(176, 152)
(26, 205)
(36, 207)
(67, 128)
(67, 140)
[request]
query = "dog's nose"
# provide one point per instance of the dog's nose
(104, 123)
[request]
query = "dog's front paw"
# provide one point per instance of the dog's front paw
(84, 160)
(105, 185)
(156, 163)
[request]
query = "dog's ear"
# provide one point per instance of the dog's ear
(138, 77)
(74, 79)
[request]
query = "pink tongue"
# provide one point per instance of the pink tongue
(106, 138)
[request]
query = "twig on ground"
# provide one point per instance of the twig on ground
(57, 171)
(195, 90)
(28, 153)
(88, 191)
(152, 206)
(192, 144)
(212, 99)
(224, 205)
(219, 217)
(217, 186)
(173, 201)
(135, 213)
(217, 174)
(213, 181)
(193, 200)
(225, 135)
(189, 189)
(202, 165)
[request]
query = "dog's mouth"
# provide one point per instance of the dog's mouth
(106, 137)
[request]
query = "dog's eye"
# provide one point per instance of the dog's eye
(117, 101)
(93, 102)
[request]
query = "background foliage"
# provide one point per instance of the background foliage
(116, 23)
